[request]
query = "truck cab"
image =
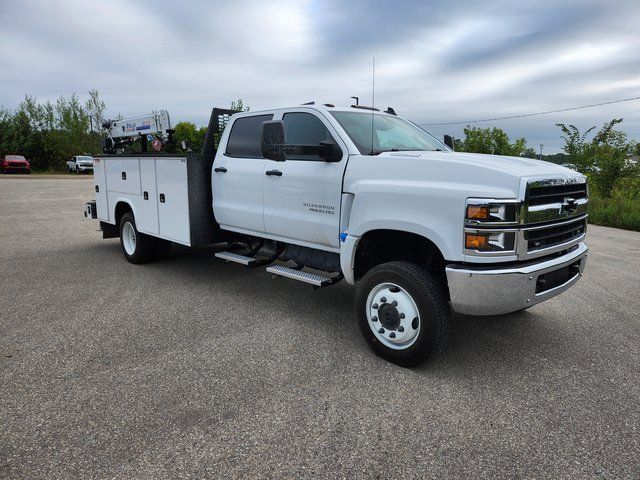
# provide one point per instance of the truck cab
(319, 194)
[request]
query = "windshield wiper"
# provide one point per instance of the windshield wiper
(378, 152)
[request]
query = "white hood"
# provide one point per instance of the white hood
(519, 166)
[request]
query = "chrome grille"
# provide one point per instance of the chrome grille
(554, 199)
(552, 235)
(545, 194)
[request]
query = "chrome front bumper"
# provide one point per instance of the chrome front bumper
(486, 291)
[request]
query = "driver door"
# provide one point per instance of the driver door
(302, 194)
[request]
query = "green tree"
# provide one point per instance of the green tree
(605, 157)
(95, 107)
(493, 141)
(530, 153)
(190, 134)
(49, 134)
(238, 106)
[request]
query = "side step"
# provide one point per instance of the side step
(241, 259)
(306, 277)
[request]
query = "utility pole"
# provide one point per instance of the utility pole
(541, 145)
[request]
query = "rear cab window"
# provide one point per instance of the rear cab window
(245, 137)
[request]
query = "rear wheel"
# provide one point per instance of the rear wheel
(137, 247)
(403, 312)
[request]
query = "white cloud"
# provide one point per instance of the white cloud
(437, 61)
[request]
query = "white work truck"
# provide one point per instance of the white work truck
(319, 194)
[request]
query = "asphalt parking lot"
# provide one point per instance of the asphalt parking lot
(194, 367)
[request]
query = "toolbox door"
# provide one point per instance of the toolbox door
(173, 199)
(100, 189)
(147, 220)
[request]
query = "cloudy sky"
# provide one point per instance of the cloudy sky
(436, 61)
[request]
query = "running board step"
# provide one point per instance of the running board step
(241, 259)
(306, 277)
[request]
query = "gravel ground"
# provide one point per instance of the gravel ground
(194, 367)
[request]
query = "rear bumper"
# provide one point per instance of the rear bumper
(90, 210)
(486, 291)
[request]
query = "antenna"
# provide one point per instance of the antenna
(373, 97)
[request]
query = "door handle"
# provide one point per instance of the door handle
(277, 173)
(220, 170)
(162, 198)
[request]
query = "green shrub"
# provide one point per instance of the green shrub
(619, 212)
(627, 188)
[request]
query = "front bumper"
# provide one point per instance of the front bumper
(85, 168)
(483, 290)
(17, 169)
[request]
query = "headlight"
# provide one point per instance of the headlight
(491, 212)
(490, 241)
(490, 226)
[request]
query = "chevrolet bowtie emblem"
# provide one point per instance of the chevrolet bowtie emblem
(569, 205)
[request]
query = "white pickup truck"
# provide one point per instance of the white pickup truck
(319, 194)
(80, 164)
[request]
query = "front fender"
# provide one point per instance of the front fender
(349, 245)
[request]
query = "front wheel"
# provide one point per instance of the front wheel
(403, 312)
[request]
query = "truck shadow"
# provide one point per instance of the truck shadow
(478, 345)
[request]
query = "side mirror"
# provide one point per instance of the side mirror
(329, 151)
(448, 141)
(272, 144)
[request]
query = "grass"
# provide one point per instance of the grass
(615, 212)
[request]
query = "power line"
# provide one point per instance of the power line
(533, 114)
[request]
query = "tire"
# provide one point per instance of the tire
(162, 249)
(77, 171)
(137, 247)
(417, 293)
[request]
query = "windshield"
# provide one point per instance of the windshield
(390, 134)
(84, 158)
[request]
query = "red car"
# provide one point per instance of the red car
(14, 163)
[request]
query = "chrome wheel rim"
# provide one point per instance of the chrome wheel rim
(393, 316)
(129, 238)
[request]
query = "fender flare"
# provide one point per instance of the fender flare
(349, 246)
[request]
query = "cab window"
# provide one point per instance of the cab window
(245, 137)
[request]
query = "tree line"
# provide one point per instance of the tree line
(48, 134)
